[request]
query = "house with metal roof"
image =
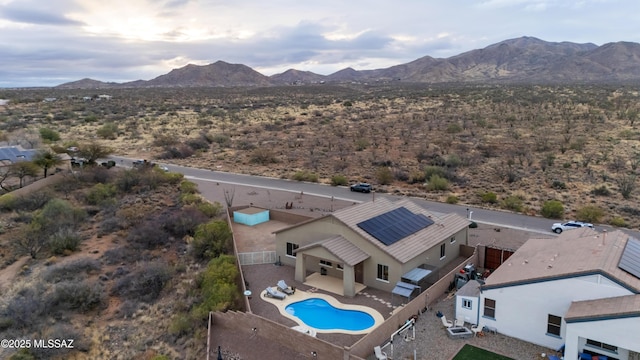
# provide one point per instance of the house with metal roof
(579, 291)
(13, 154)
(377, 244)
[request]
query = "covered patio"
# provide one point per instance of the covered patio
(330, 284)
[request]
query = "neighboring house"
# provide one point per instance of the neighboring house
(580, 290)
(374, 243)
(13, 154)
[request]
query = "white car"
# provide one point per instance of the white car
(560, 227)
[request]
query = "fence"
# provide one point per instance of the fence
(258, 257)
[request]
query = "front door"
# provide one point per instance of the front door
(359, 273)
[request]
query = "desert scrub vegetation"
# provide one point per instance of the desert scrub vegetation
(114, 244)
(564, 139)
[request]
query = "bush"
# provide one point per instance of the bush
(473, 225)
(384, 175)
(181, 324)
(452, 199)
(552, 209)
(49, 135)
(145, 284)
(617, 221)
(339, 180)
(209, 209)
(558, 185)
(190, 199)
(601, 191)
(64, 240)
(101, 194)
(7, 202)
(71, 270)
(429, 171)
(218, 284)
(513, 203)
(211, 240)
(185, 221)
(148, 235)
(82, 296)
(108, 131)
(128, 180)
(489, 197)
(26, 308)
(437, 183)
(590, 213)
(32, 201)
(120, 255)
(305, 176)
(188, 187)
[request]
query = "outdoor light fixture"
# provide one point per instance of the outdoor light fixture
(314, 354)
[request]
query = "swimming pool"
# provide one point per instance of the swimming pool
(319, 314)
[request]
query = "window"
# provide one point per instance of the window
(326, 263)
(490, 308)
(553, 325)
(339, 267)
(466, 303)
(452, 240)
(383, 272)
(291, 248)
(602, 345)
(443, 249)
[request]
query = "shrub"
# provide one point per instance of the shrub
(305, 176)
(339, 180)
(128, 308)
(190, 199)
(218, 284)
(552, 209)
(148, 235)
(601, 191)
(64, 240)
(188, 187)
(49, 135)
(429, 171)
(263, 156)
(181, 324)
(417, 177)
(489, 197)
(513, 203)
(452, 199)
(384, 175)
(209, 209)
(119, 255)
(589, 213)
(473, 225)
(82, 296)
(145, 284)
(211, 240)
(128, 180)
(108, 131)
(101, 194)
(71, 270)
(7, 202)
(25, 309)
(32, 201)
(617, 221)
(198, 143)
(185, 221)
(437, 183)
(558, 185)
(454, 128)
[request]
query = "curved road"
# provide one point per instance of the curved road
(494, 217)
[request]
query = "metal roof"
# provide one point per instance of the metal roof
(16, 153)
(416, 274)
(404, 289)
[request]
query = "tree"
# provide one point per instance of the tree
(23, 169)
(46, 160)
(49, 135)
(94, 151)
(626, 185)
(211, 239)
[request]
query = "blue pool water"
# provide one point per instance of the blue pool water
(319, 314)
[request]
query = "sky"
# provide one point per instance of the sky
(50, 42)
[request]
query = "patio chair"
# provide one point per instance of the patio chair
(459, 322)
(477, 330)
(446, 323)
(282, 286)
(380, 355)
(273, 293)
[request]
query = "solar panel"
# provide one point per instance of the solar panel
(630, 259)
(394, 225)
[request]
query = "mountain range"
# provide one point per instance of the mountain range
(520, 60)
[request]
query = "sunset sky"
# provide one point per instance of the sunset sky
(49, 42)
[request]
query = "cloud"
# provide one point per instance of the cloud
(36, 14)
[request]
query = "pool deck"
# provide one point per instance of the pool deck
(301, 295)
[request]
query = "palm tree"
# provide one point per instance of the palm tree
(46, 159)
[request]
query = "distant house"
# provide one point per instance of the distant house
(580, 290)
(379, 244)
(13, 154)
(49, 99)
(104, 97)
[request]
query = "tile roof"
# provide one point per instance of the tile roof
(575, 252)
(341, 248)
(602, 309)
(407, 248)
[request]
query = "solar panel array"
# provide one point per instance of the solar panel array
(395, 225)
(630, 259)
(14, 154)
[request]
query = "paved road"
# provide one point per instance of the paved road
(498, 218)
